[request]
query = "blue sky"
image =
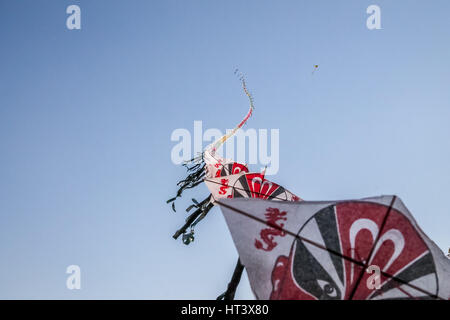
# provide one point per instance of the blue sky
(86, 117)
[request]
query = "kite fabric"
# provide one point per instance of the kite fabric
(330, 249)
(224, 178)
(248, 185)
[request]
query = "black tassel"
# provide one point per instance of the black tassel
(192, 180)
(171, 199)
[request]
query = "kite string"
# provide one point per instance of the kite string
(318, 245)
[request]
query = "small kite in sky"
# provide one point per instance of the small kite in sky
(316, 66)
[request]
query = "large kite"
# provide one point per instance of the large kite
(317, 250)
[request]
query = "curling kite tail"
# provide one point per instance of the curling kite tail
(212, 148)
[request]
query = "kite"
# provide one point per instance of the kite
(370, 248)
(225, 178)
(316, 66)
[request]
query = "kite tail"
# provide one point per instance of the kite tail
(212, 148)
(197, 170)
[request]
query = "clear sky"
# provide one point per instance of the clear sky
(86, 118)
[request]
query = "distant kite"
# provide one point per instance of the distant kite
(316, 66)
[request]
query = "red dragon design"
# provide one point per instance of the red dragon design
(273, 215)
